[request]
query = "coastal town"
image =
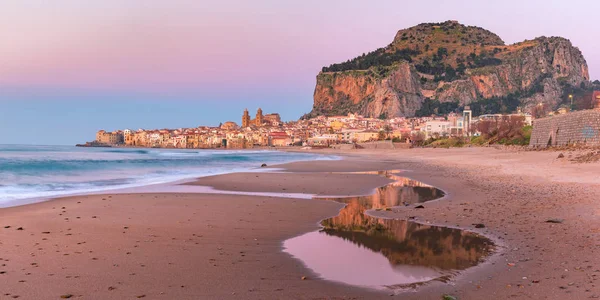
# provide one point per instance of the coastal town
(268, 130)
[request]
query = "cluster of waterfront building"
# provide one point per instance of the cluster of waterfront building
(269, 131)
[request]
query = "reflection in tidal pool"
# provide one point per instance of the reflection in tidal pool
(358, 249)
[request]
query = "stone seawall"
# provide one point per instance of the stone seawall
(376, 145)
(372, 145)
(576, 128)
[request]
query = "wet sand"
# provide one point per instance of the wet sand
(171, 246)
(514, 194)
(207, 246)
(160, 246)
(318, 184)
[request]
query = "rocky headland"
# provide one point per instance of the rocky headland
(434, 67)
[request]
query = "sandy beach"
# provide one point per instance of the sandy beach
(214, 246)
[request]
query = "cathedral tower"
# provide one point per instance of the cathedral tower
(246, 119)
(259, 117)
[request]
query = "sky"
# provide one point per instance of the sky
(69, 67)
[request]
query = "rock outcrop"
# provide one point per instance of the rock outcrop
(450, 62)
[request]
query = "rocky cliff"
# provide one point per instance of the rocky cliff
(454, 64)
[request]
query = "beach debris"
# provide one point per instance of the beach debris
(45, 232)
(556, 221)
(141, 296)
(20, 228)
(111, 288)
(510, 264)
(561, 156)
(419, 206)
(263, 165)
(66, 296)
(449, 297)
(479, 225)
(588, 157)
(304, 277)
(6, 227)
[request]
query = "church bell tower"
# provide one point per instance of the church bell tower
(246, 119)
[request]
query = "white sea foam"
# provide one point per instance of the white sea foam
(37, 172)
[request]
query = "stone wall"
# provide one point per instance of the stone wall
(372, 145)
(344, 146)
(376, 145)
(576, 128)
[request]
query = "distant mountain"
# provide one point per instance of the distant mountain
(440, 67)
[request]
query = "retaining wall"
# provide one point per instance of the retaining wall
(576, 128)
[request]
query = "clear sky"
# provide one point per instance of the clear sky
(71, 67)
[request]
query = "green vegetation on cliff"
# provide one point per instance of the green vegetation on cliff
(379, 57)
(435, 107)
(434, 68)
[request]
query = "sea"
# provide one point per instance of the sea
(38, 172)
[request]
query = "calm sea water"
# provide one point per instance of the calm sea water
(44, 171)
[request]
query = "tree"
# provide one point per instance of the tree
(381, 136)
(485, 128)
(442, 52)
(417, 138)
(450, 73)
(388, 130)
(510, 127)
(503, 130)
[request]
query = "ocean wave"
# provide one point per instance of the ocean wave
(69, 170)
(182, 154)
(139, 151)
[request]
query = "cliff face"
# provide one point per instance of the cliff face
(449, 62)
(356, 91)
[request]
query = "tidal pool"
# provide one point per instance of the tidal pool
(358, 249)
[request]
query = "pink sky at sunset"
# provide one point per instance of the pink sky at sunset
(210, 44)
(251, 53)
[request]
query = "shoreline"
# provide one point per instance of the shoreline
(20, 214)
(470, 198)
(157, 182)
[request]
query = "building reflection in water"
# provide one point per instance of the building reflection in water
(358, 249)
